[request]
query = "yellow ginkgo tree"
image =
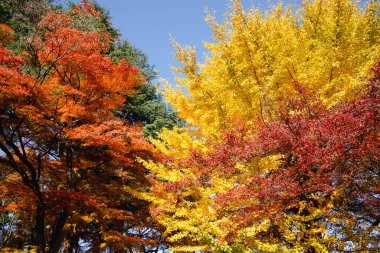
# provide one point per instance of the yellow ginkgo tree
(285, 67)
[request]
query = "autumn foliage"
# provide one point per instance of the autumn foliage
(278, 149)
(281, 150)
(65, 157)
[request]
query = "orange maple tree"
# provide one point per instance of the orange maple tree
(65, 158)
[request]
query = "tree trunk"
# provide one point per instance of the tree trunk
(56, 240)
(39, 228)
(74, 243)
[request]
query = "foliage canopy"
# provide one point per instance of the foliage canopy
(280, 153)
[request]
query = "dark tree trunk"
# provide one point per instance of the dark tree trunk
(74, 243)
(39, 228)
(56, 240)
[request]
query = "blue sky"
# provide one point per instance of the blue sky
(149, 25)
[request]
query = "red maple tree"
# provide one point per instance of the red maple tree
(65, 157)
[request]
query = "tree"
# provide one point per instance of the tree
(146, 105)
(280, 152)
(22, 16)
(65, 156)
